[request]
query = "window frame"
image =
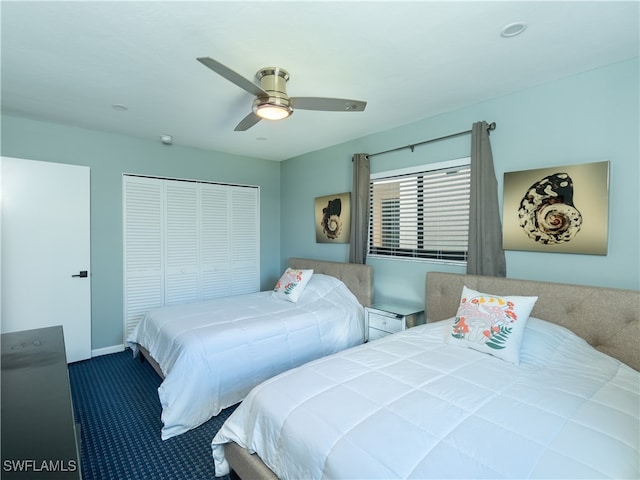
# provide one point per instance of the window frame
(417, 254)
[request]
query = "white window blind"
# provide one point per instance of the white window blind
(187, 241)
(421, 214)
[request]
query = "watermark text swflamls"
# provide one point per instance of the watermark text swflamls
(30, 465)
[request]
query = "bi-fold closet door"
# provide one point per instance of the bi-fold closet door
(187, 241)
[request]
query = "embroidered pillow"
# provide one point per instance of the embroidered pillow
(291, 284)
(491, 324)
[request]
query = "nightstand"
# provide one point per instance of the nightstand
(382, 319)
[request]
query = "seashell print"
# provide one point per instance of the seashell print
(547, 213)
(331, 223)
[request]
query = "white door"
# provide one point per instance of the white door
(46, 277)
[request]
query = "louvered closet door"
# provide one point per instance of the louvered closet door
(143, 252)
(245, 229)
(216, 241)
(182, 226)
(187, 241)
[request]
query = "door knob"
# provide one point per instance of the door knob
(82, 274)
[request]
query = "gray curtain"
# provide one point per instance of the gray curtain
(486, 256)
(359, 209)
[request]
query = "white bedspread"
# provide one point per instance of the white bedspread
(411, 406)
(213, 353)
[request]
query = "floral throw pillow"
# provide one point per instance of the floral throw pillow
(491, 324)
(291, 284)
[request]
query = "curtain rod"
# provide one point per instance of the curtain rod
(490, 127)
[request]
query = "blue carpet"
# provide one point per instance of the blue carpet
(116, 402)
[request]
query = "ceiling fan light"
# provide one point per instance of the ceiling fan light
(272, 112)
(272, 108)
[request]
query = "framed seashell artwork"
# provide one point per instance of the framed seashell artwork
(333, 218)
(558, 209)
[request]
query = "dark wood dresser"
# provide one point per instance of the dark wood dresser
(39, 438)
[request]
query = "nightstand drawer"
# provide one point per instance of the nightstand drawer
(375, 334)
(383, 319)
(386, 323)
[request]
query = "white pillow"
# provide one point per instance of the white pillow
(291, 284)
(492, 324)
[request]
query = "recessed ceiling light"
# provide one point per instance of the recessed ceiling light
(119, 107)
(513, 29)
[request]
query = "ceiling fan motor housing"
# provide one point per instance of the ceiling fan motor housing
(273, 80)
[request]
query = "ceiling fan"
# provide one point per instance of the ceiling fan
(272, 101)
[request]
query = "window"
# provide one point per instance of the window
(421, 213)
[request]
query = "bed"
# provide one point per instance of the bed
(416, 405)
(210, 354)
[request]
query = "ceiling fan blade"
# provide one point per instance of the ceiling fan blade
(247, 122)
(232, 76)
(327, 104)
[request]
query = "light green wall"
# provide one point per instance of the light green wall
(589, 117)
(111, 155)
(586, 118)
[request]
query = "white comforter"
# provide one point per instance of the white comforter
(213, 353)
(411, 406)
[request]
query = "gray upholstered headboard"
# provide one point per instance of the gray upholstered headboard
(358, 278)
(607, 318)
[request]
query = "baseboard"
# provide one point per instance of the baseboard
(107, 350)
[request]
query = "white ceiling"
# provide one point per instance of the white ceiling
(69, 62)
